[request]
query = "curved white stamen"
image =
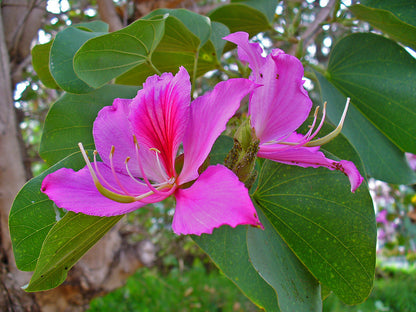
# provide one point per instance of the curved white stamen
(103, 191)
(333, 134)
(130, 174)
(87, 161)
(101, 176)
(114, 194)
(312, 126)
(146, 180)
(320, 124)
(162, 172)
(114, 171)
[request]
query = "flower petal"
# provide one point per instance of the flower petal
(112, 128)
(75, 191)
(209, 116)
(216, 198)
(248, 52)
(282, 104)
(311, 157)
(159, 115)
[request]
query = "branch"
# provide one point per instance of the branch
(315, 27)
(109, 15)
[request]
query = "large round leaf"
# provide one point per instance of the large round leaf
(32, 216)
(331, 230)
(40, 61)
(65, 244)
(227, 247)
(296, 288)
(396, 18)
(249, 16)
(70, 120)
(106, 57)
(66, 44)
(379, 77)
(382, 159)
(198, 24)
(186, 42)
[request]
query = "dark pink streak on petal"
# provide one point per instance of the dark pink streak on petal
(311, 157)
(217, 198)
(209, 116)
(159, 115)
(75, 191)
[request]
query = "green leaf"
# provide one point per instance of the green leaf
(179, 46)
(65, 244)
(219, 31)
(378, 75)
(227, 247)
(71, 118)
(252, 17)
(40, 61)
(32, 216)
(220, 149)
(395, 18)
(106, 57)
(198, 24)
(96, 26)
(267, 7)
(66, 44)
(331, 230)
(296, 288)
(381, 158)
(403, 9)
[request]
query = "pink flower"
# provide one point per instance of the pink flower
(138, 141)
(382, 217)
(280, 106)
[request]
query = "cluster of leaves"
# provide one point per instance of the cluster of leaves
(318, 237)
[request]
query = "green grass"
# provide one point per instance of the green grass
(195, 289)
(191, 290)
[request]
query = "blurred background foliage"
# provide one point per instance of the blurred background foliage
(183, 277)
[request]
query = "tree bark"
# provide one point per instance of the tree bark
(12, 178)
(109, 15)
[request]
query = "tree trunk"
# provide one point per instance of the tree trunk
(12, 178)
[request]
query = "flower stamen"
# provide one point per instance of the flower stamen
(162, 172)
(104, 191)
(333, 134)
(130, 174)
(114, 171)
(163, 185)
(101, 177)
